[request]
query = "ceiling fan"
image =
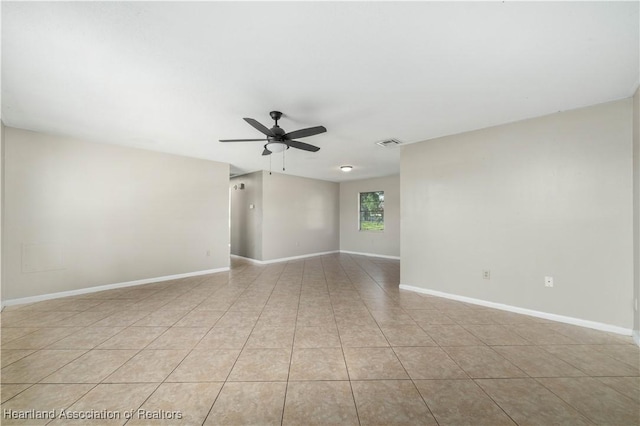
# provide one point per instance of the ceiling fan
(277, 139)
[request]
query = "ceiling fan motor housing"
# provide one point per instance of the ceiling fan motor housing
(276, 115)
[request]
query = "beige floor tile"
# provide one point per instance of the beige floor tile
(527, 402)
(348, 319)
(225, 338)
(496, 335)
(451, 335)
(470, 317)
(319, 403)
(390, 402)
(117, 399)
(133, 338)
(8, 334)
(595, 400)
(35, 367)
(271, 337)
(591, 362)
(200, 319)
(537, 362)
(9, 391)
(461, 402)
(186, 403)
(149, 365)
(318, 364)
(373, 364)
(541, 334)
(123, 318)
(87, 338)
(238, 319)
(248, 404)
(38, 319)
(161, 318)
(205, 366)
(429, 363)
(316, 337)
(82, 319)
(267, 365)
(430, 317)
(179, 338)
(406, 335)
(44, 398)
(483, 362)
(392, 317)
(356, 337)
(315, 317)
(9, 356)
(629, 354)
(628, 386)
(41, 338)
(588, 336)
(277, 318)
(92, 367)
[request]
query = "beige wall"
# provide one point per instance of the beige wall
(387, 242)
(300, 216)
(636, 212)
(550, 196)
(2, 281)
(82, 214)
(292, 216)
(246, 222)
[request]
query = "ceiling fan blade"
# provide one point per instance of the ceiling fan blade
(242, 140)
(259, 127)
(303, 133)
(266, 151)
(303, 146)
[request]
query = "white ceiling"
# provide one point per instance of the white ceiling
(176, 77)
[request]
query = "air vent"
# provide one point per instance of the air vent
(389, 143)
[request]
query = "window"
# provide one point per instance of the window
(371, 211)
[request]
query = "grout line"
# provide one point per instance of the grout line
(295, 327)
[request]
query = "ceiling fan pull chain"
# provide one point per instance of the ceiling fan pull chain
(283, 160)
(269, 164)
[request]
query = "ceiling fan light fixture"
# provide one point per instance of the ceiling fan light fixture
(276, 146)
(346, 169)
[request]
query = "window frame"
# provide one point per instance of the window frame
(359, 225)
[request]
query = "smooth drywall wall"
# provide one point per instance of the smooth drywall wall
(636, 214)
(80, 214)
(387, 242)
(300, 216)
(550, 196)
(246, 215)
(1, 211)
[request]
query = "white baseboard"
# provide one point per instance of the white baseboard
(42, 297)
(257, 262)
(560, 318)
(636, 337)
(286, 259)
(384, 256)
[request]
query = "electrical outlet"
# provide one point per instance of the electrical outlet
(486, 274)
(548, 281)
(208, 253)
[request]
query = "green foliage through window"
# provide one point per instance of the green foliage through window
(371, 211)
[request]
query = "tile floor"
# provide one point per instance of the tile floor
(327, 340)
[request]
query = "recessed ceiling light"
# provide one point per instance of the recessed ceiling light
(346, 168)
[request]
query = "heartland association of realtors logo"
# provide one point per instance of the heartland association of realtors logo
(140, 414)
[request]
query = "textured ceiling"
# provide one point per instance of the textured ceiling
(176, 77)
